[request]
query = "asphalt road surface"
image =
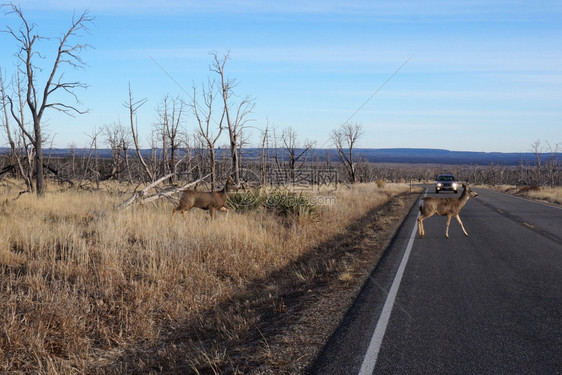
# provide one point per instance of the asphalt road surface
(490, 303)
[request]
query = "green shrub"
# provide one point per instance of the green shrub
(245, 200)
(284, 203)
(287, 203)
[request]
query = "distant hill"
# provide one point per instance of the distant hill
(426, 156)
(439, 156)
(376, 155)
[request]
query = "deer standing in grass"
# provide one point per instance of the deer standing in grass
(211, 201)
(444, 206)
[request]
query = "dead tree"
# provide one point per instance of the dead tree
(236, 114)
(133, 107)
(552, 165)
(203, 113)
(184, 142)
(152, 193)
(171, 118)
(345, 139)
(264, 154)
(37, 99)
(538, 151)
(90, 163)
(296, 156)
(118, 139)
(24, 166)
(166, 132)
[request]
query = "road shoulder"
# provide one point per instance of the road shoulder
(356, 328)
(290, 338)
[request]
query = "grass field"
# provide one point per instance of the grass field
(86, 288)
(547, 194)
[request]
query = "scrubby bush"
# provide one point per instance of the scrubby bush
(282, 202)
(245, 200)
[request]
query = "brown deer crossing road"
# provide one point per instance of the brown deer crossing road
(490, 303)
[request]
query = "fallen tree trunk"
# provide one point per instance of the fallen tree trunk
(143, 196)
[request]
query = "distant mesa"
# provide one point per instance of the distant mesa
(375, 155)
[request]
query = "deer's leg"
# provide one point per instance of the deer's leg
(421, 232)
(448, 222)
(212, 213)
(224, 209)
(460, 222)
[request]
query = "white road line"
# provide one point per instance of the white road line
(370, 359)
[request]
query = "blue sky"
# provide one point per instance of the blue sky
(483, 75)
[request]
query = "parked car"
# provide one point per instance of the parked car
(446, 182)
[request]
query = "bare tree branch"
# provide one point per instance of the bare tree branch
(203, 115)
(133, 107)
(244, 108)
(142, 197)
(345, 139)
(68, 53)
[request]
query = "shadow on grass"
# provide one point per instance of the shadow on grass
(235, 336)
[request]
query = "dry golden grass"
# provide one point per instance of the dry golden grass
(547, 194)
(84, 287)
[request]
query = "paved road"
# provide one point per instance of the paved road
(487, 304)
